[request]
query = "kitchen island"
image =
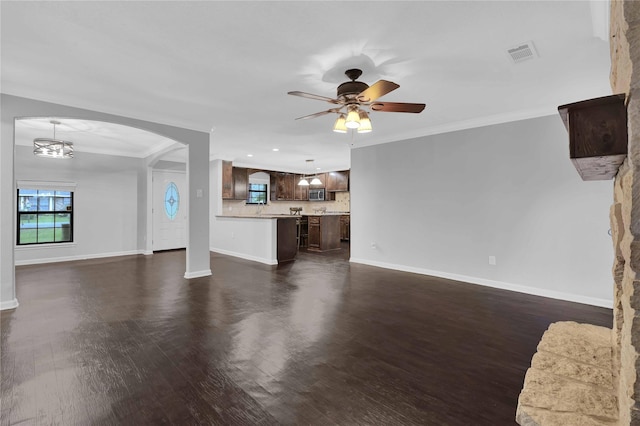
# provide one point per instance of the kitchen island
(264, 238)
(324, 232)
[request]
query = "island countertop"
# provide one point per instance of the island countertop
(280, 216)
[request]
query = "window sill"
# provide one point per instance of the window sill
(44, 246)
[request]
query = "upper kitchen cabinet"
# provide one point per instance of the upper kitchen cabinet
(323, 180)
(337, 181)
(282, 186)
(300, 192)
(227, 180)
(240, 183)
(234, 182)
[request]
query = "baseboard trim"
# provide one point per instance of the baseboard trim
(569, 297)
(197, 274)
(9, 304)
(78, 257)
(245, 256)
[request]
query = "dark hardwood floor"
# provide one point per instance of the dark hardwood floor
(317, 341)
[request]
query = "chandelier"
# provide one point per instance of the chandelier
(52, 148)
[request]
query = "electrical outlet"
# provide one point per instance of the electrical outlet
(492, 260)
(373, 245)
(233, 235)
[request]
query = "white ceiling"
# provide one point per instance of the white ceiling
(226, 67)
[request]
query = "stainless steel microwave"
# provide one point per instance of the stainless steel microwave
(316, 194)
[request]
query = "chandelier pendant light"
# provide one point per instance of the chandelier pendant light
(52, 148)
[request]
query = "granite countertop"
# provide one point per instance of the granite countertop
(281, 216)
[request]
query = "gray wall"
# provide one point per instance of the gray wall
(105, 203)
(442, 204)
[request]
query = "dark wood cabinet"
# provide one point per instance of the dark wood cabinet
(234, 182)
(324, 232)
(300, 193)
(227, 180)
(314, 233)
(323, 179)
(338, 181)
(287, 245)
(284, 186)
(345, 227)
(240, 183)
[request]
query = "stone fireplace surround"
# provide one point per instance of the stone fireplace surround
(582, 374)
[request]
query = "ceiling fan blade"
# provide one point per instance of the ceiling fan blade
(318, 114)
(397, 107)
(312, 96)
(378, 89)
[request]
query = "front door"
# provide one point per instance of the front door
(169, 210)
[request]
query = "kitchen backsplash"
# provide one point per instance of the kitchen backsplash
(342, 203)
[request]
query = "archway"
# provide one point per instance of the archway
(197, 254)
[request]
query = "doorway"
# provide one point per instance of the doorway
(169, 210)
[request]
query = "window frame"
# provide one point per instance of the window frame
(251, 191)
(65, 209)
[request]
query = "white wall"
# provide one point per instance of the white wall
(249, 238)
(442, 204)
(105, 204)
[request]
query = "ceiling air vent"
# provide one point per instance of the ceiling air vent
(522, 52)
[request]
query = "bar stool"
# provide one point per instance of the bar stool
(303, 231)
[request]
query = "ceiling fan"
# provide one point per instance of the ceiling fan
(353, 97)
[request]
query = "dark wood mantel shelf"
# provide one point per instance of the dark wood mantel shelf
(597, 135)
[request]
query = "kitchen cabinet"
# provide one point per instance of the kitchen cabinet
(324, 233)
(234, 182)
(227, 180)
(345, 227)
(300, 193)
(338, 181)
(240, 183)
(323, 179)
(287, 243)
(282, 186)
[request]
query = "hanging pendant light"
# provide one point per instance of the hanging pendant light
(52, 148)
(316, 181)
(365, 123)
(303, 181)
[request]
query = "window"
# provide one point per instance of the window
(171, 200)
(44, 216)
(257, 193)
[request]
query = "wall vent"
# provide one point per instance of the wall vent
(522, 52)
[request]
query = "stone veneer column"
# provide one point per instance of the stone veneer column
(625, 212)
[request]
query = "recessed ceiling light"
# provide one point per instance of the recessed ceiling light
(249, 155)
(275, 149)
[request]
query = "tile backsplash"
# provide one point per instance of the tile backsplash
(239, 207)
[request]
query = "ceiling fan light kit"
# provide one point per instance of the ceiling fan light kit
(354, 96)
(52, 147)
(340, 126)
(365, 123)
(353, 118)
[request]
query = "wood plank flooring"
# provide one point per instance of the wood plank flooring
(317, 341)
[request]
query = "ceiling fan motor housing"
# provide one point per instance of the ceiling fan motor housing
(351, 88)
